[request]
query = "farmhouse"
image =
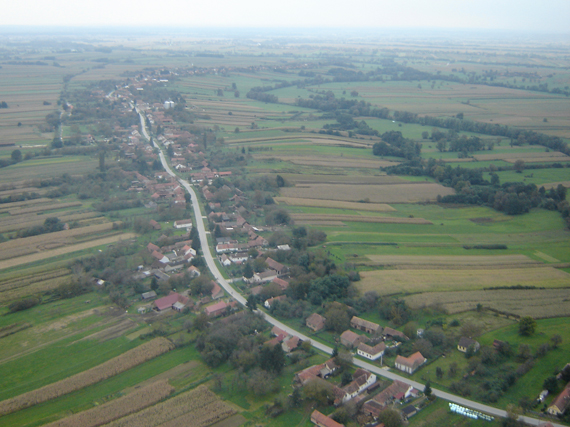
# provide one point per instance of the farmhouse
(371, 353)
(379, 402)
(321, 420)
(193, 271)
(264, 276)
(155, 225)
(268, 303)
(362, 380)
(365, 325)
(350, 339)
(290, 344)
(148, 295)
(278, 267)
(561, 403)
(168, 301)
(465, 343)
(316, 322)
(217, 291)
(324, 370)
(410, 364)
(391, 333)
(216, 309)
(283, 284)
(184, 223)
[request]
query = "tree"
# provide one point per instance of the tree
(427, 389)
(337, 319)
(295, 397)
(391, 418)
(236, 93)
(236, 130)
(345, 378)
(556, 340)
(425, 134)
(526, 403)
(527, 326)
(252, 302)
(551, 384)
(17, 156)
(318, 391)
(438, 373)
(248, 271)
(519, 166)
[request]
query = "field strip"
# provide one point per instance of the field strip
(5, 207)
(17, 223)
(322, 223)
(108, 369)
(197, 408)
(140, 398)
(310, 138)
(346, 162)
(387, 282)
(41, 208)
(318, 203)
(452, 260)
(65, 250)
(5, 193)
(546, 257)
(540, 159)
(180, 371)
(537, 303)
(36, 287)
(111, 332)
(555, 184)
(528, 157)
(358, 218)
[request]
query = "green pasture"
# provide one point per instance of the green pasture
(49, 167)
(533, 176)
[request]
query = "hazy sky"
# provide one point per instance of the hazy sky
(526, 15)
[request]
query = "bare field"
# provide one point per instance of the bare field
(198, 408)
(387, 282)
(399, 193)
(358, 218)
(133, 402)
(343, 179)
(452, 260)
(125, 361)
(65, 250)
(319, 203)
(31, 220)
(555, 184)
(27, 245)
(537, 303)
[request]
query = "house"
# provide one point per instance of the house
(283, 284)
(160, 257)
(379, 402)
(362, 379)
(283, 247)
(268, 303)
(465, 343)
(169, 301)
(390, 333)
(350, 339)
(274, 265)
(561, 403)
(226, 262)
(316, 322)
(365, 325)
(276, 331)
(184, 223)
(217, 291)
(264, 276)
(321, 420)
(290, 344)
(178, 306)
(148, 295)
(371, 353)
(410, 364)
(216, 309)
(193, 271)
(151, 247)
(155, 225)
(409, 411)
(324, 370)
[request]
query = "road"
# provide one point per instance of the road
(207, 252)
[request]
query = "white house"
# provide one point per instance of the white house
(371, 353)
(183, 223)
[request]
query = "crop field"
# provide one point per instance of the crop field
(27, 245)
(106, 370)
(345, 162)
(458, 261)
(24, 221)
(199, 408)
(318, 203)
(400, 193)
(49, 167)
(11, 290)
(537, 303)
(27, 259)
(540, 177)
(133, 402)
(342, 179)
(358, 218)
(553, 156)
(387, 282)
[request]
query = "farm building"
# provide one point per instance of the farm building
(193, 271)
(264, 276)
(217, 291)
(379, 402)
(465, 343)
(561, 403)
(148, 295)
(217, 309)
(184, 223)
(283, 284)
(391, 333)
(290, 344)
(410, 364)
(371, 353)
(365, 325)
(321, 420)
(152, 247)
(278, 267)
(316, 322)
(324, 370)
(362, 380)
(350, 339)
(168, 301)
(268, 303)
(155, 225)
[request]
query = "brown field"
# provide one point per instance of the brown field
(31, 220)
(35, 287)
(398, 193)
(319, 203)
(65, 250)
(42, 208)
(139, 399)
(27, 245)
(9, 192)
(358, 218)
(343, 179)
(6, 207)
(555, 184)
(541, 159)
(336, 161)
(457, 261)
(387, 282)
(197, 408)
(233, 421)
(125, 361)
(322, 223)
(537, 303)
(527, 157)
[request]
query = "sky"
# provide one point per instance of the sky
(548, 16)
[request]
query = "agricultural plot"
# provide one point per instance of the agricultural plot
(335, 162)
(8, 223)
(399, 193)
(537, 303)
(133, 402)
(553, 156)
(358, 218)
(125, 361)
(458, 261)
(317, 203)
(387, 282)
(199, 408)
(49, 167)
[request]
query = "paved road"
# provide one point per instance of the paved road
(207, 251)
